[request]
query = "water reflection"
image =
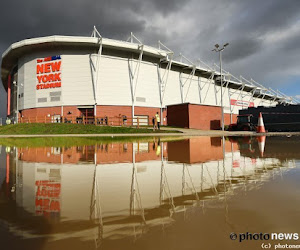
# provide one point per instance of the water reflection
(84, 196)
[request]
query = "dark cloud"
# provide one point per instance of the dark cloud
(267, 16)
(242, 48)
(263, 35)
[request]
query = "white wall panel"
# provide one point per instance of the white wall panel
(148, 86)
(190, 89)
(172, 88)
(113, 82)
(21, 75)
(30, 92)
(77, 85)
(208, 94)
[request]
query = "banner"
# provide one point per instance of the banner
(241, 103)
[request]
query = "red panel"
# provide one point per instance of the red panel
(8, 94)
(178, 115)
(7, 168)
(204, 117)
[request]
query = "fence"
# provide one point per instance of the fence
(100, 121)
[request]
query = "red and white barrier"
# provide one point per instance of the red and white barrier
(261, 144)
(260, 125)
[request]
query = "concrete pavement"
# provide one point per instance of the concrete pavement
(184, 133)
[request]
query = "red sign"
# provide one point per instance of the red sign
(236, 164)
(47, 197)
(48, 72)
(241, 103)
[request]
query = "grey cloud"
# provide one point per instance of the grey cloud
(188, 26)
(266, 16)
(169, 6)
(242, 48)
(291, 44)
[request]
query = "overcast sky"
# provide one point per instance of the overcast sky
(263, 35)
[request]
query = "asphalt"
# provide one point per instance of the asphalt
(184, 133)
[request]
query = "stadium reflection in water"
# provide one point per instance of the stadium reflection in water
(112, 196)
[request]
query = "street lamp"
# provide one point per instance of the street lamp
(218, 49)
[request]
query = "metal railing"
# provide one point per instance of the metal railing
(95, 120)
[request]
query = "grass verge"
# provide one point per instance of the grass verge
(76, 141)
(62, 128)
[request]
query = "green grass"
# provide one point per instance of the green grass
(62, 128)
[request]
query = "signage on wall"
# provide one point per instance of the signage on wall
(47, 197)
(241, 103)
(48, 72)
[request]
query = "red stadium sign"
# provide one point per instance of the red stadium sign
(47, 197)
(241, 103)
(48, 72)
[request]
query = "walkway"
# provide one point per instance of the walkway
(184, 133)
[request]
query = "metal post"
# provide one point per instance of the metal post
(222, 109)
(218, 49)
(161, 116)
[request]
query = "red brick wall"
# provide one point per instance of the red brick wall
(117, 111)
(40, 112)
(231, 146)
(227, 119)
(113, 111)
(205, 117)
(178, 115)
(102, 111)
(106, 153)
(195, 150)
(182, 115)
(150, 112)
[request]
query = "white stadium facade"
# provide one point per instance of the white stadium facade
(69, 76)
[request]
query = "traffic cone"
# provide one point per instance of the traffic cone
(260, 125)
(261, 144)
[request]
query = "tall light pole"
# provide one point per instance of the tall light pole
(219, 50)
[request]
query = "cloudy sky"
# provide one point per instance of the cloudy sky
(263, 35)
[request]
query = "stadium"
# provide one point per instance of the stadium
(95, 80)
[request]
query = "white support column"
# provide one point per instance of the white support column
(163, 79)
(134, 72)
(209, 82)
(230, 106)
(263, 89)
(97, 75)
(226, 83)
(241, 91)
(262, 98)
(199, 89)
(252, 94)
(95, 68)
(191, 76)
(181, 86)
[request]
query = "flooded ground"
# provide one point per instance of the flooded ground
(198, 193)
